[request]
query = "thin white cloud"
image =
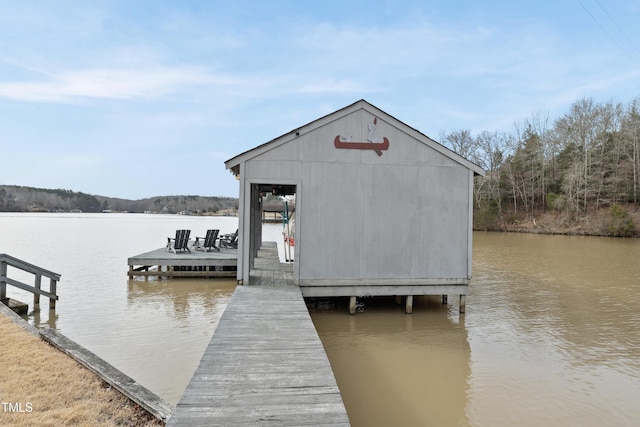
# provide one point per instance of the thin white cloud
(330, 86)
(116, 83)
(405, 45)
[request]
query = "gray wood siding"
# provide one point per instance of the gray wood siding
(384, 222)
(387, 241)
(403, 215)
(331, 223)
(444, 225)
(400, 215)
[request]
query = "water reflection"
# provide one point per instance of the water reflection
(550, 337)
(180, 298)
(168, 353)
(398, 369)
(43, 318)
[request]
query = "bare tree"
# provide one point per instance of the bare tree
(630, 130)
(461, 142)
(490, 155)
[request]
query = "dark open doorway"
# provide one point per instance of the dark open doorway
(259, 193)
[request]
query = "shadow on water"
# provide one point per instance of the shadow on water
(395, 368)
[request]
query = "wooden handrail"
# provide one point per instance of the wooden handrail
(28, 267)
(38, 272)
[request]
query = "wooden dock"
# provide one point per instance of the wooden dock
(162, 263)
(265, 364)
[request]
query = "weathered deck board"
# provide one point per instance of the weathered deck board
(265, 364)
(224, 262)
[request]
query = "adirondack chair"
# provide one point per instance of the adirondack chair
(180, 242)
(229, 240)
(207, 242)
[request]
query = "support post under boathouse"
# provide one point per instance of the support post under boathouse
(381, 208)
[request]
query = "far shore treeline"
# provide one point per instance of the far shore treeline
(578, 174)
(15, 198)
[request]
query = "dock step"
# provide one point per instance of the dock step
(17, 306)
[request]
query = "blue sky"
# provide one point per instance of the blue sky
(135, 99)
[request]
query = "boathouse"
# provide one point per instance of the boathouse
(381, 208)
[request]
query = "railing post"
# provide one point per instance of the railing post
(3, 284)
(36, 296)
(52, 290)
(36, 288)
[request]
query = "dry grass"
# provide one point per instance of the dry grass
(594, 224)
(52, 389)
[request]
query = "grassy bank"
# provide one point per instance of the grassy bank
(41, 386)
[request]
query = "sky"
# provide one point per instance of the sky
(143, 98)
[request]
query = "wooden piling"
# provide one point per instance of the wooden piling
(36, 296)
(53, 285)
(352, 305)
(409, 304)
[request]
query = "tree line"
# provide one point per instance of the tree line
(15, 198)
(586, 160)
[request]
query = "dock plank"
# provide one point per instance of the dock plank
(265, 364)
(221, 263)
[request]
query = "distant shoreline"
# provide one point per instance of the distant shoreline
(14, 198)
(216, 214)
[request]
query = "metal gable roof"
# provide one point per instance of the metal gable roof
(233, 164)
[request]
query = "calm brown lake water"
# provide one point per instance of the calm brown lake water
(153, 330)
(551, 335)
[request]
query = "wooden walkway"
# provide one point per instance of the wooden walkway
(265, 364)
(162, 263)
